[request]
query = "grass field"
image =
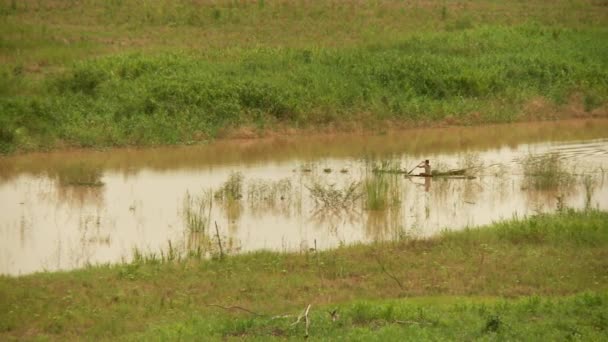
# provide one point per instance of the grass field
(123, 72)
(543, 277)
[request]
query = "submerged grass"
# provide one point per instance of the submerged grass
(381, 185)
(197, 211)
(232, 189)
(329, 197)
(590, 183)
(542, 256)
(547, 172)
(79, 174)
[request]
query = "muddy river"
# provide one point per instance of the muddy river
(67, 210)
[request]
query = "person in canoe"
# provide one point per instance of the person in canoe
(427, 168)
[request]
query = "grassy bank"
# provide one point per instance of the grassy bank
(544, 256)
(185, 76)
(415, 319)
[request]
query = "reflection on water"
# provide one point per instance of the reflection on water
(70, 209)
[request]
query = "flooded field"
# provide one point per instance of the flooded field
(66, 210)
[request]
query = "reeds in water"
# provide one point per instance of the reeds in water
(381, 189)
(197, 211)
(546, 172)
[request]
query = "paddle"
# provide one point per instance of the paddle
(414, 168)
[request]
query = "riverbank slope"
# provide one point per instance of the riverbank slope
(122, 73)
(461, 283)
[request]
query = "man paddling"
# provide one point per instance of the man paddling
(427, 168)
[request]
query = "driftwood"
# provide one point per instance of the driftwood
(307, 321)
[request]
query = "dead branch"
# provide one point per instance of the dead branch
(387, 272)
(219, 240)
(228, 308)
(307, 320)
(305, 316)
(280, 316)
(411, 322)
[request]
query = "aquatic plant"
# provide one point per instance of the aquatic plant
(330, 197)
(267, 195)
(79, 174)
(384, 166)
(546, 172)
(197, 211)
(232, 189)
(376, 191)
(470, 162)
(269, 191)
(590, 183)
(381, 184)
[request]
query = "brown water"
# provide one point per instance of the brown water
(66, 210)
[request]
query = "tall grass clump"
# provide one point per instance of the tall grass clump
(79, 174)
(568, 227)
(265, 195)
(333, 198)
(197, 211)
(546, 172)
(587, 227)
(232, 189)
(269, 191)
(381, 189)
(590, 183)
(377, 191)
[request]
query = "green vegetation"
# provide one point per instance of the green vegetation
(115, 73)
(78, 174)
(444, 318)
(382, 189)
(232, 189)
(197, 212)
(547, 172)
(332, 198)
(371, 286)
(590, 183)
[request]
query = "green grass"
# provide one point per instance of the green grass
(95, 74)
(547, 172)
(373, 286)
(382, 189)
(232, 189)
(78, 174)
(196, 211)
(437, 318)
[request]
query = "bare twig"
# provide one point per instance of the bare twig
(219, 240)
(307, 320)
(280, 316)
(387, 272)
(305, 316)
(236, 307)
(411, 322)
(481, 260)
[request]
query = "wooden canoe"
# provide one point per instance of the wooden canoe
(443, 176)
(458, 172)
